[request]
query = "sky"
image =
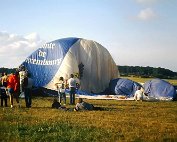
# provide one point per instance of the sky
(135, 32)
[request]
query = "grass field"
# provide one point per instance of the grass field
(118, 121)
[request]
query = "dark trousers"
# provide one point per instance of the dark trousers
(72, 95)
(28, 100)
(3, 97)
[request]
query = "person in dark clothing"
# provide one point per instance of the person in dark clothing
(56, 104)
(28, 85)
(3, 96)
(3, 85)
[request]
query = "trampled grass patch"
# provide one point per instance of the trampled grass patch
(117, 121)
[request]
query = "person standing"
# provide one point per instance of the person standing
(61, 90)
(17, 87)
(10, 88)
(4, 79)
(3, 96)
(3, 89)
(76, 77)
(72, 89)
(22, 75)
(28, 84)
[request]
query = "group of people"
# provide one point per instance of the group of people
(14, 84)
(11, 86)
(72, 83)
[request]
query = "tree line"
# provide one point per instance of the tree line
(147, 72)
(7, 70)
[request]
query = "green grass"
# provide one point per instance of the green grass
(118, 121)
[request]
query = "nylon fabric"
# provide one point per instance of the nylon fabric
(99, 67)
(44, 62)
(124, 87)
(157, 88)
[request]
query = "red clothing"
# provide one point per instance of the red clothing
(17, 83)
(11, 81)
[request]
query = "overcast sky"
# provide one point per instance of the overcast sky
(135, 32)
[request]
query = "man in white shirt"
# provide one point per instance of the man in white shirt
(22, 75)
(72, 88)
(138, 94)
